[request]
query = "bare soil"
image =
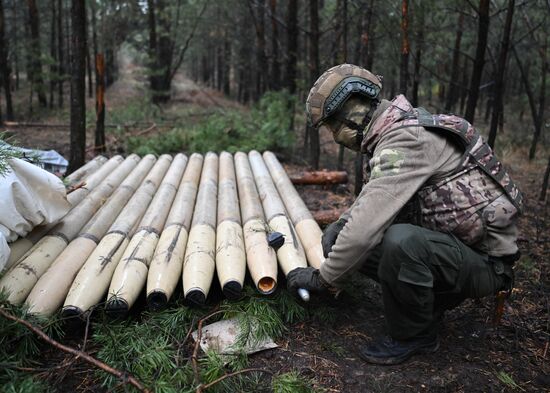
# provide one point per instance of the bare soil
(474, 356)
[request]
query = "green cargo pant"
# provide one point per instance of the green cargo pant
(423, 272)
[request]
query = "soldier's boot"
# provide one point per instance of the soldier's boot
(388, 351)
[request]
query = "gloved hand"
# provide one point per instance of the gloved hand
(306, 278)
(331, 234)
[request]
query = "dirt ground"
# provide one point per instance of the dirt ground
(474, 356)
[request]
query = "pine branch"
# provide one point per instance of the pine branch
(201, 388)
(123, 376)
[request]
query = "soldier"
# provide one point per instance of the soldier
(435, 223)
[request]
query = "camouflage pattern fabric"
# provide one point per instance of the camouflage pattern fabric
(478, 194)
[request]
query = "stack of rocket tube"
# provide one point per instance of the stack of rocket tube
(307, 228)
(230, 255)
(291, 254)
(50, 291)
(22, 245)
(199, 262)
(85, 171)
(23, 276)
(167, 265)
(93, 279)
(131, 273)
(261, 258)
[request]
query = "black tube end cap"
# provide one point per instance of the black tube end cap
(232, 290)
(196, 297)
(117, 308)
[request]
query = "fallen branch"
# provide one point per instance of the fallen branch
(123, 376)
(194, 356)
(82, 184)
(326, 217)
(202, 387)
(320, 177)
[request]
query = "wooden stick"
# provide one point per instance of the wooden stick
(194, 356)
(123, 376)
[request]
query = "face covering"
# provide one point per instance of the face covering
(347, 126)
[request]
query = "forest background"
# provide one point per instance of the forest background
(164, 76)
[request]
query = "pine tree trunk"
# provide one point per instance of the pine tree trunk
(275, 61)
(60, 58)
(78, 85)
(417, 59)
(314, 148)
(4, 66)
(292, 45)
(542, 196)
(405, 48)
(499, 83)
(454, 86)
(479, 61)
(100, 104)
(36, 62)
(53, 54)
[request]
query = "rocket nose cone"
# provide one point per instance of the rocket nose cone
(117, 308)
(232, 290)
(196, 297)
(157, 300)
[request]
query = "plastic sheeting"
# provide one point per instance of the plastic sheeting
(29, 196)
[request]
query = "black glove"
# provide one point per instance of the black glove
(331, 234)
(306, 278)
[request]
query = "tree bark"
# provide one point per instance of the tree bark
(275, 64)
(4, 66)
(314, 149)
(292, 45)
(78, 85)
(405, 47)
(53, 54)
(454, 86)
(499, 82)
(100, 104)
(479, 62)
(60, 57)
(542, 196)
(418, 58)
(35, 56)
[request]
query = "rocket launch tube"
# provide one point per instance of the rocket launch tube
(199, 263)
(50, 291)
(85, 170)
(260, 257)
(291, 254)
(93, 279)
(23, 276)
(21, 246)
(230, 255)
(167, 265)
(131, 273)
(307, 228)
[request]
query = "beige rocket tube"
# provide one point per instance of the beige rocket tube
(291, 254)
(261, 258)
(23, 276)
(131, 273)
(230, 255)
(307, 228)
(167, 265)
(51, 289)
(21, 246)
(85, 170)
(92, 281)
(199, 263)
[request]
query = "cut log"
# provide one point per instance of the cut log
(320, 178)
(326, 217)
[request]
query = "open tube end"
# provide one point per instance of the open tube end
(117, 307)
(267, 285)
(196, 296)
(71, 312)
(157, 300)
(232, 290)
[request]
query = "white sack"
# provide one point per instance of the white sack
(4, 252)
(29, 196)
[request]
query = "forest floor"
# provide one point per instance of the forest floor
(474, 356)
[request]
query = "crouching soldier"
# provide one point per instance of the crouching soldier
(435, 223)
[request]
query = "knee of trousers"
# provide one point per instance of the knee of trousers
(402, 243)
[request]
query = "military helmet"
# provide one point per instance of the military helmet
(335, 86)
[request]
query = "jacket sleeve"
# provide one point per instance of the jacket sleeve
(402, 162)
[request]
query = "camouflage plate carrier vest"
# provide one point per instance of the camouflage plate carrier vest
(478, 194)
